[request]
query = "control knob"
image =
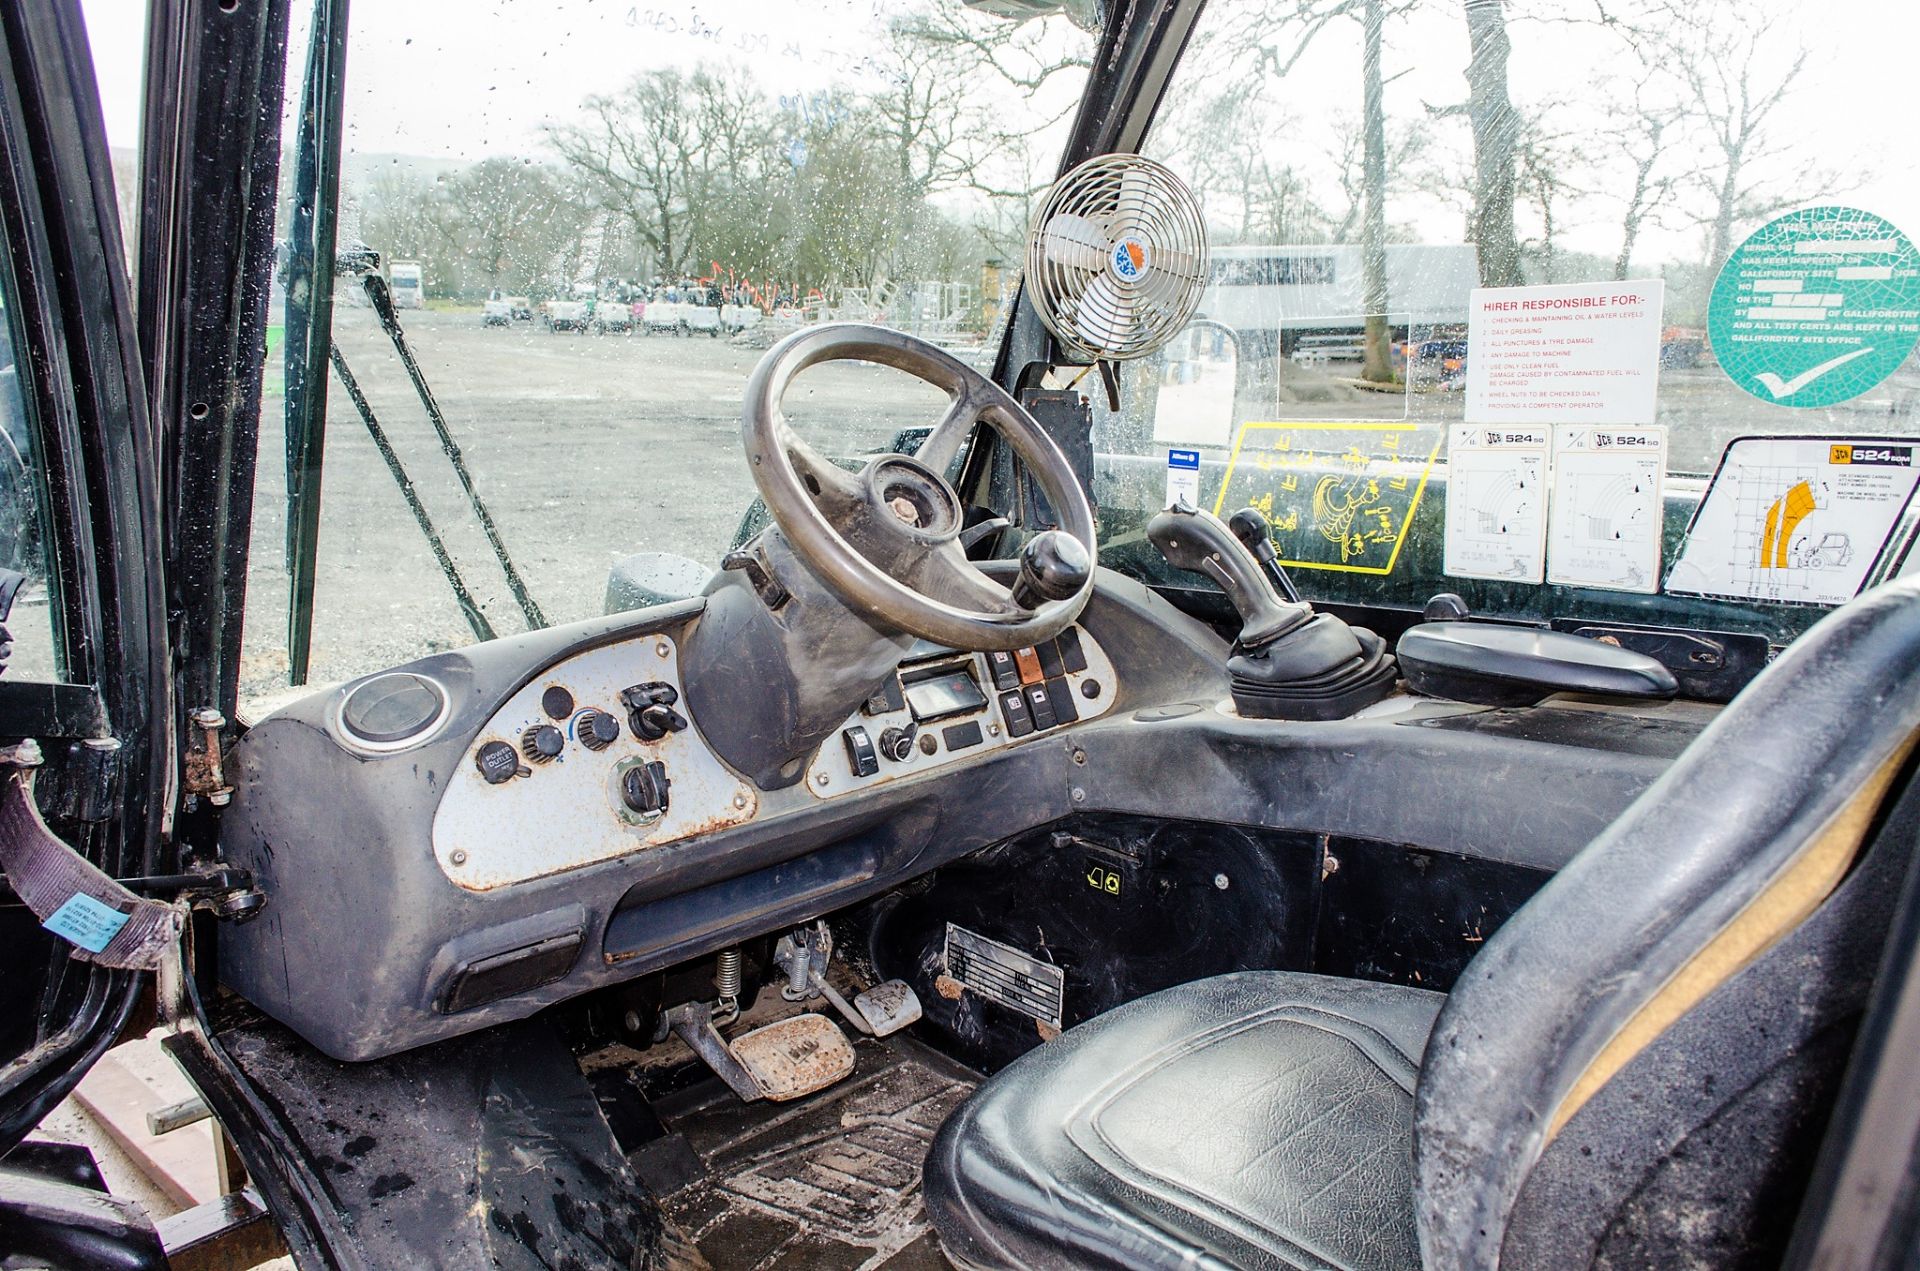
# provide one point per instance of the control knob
(596, 729)
(542, 743)
(650, 710)
(644, 787)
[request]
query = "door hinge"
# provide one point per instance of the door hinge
(206, 762)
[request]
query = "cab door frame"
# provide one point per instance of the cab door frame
(83, 385)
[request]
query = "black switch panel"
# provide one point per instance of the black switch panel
(1072, 656)
(961, 736)
(862, 758)
(1014, 707)
(1006, 673)
(1060, 697)
(1040, 706)
(1050, 663)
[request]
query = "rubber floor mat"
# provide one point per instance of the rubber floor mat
(829, 1181)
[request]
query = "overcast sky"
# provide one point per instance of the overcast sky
(461, 79)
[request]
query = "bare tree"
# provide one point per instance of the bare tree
(1496, 127)
(1643, 129)
(505, 220)
(1305, 20)
(1726, 57)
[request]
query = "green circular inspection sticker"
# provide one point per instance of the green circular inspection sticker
(1816, 307)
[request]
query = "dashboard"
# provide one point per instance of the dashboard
(598, 756)
(466, 839)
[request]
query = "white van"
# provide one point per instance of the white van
(408, 284)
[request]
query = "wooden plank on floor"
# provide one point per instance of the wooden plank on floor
(137, 1078)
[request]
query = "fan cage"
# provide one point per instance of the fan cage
(1094, 311)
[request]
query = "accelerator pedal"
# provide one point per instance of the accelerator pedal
(778, 1062)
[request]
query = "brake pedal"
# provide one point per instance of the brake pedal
(778, 1062)
(796, 1056)
(883, 1009)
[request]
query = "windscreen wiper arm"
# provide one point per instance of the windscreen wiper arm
(482, 629)
(376, 288)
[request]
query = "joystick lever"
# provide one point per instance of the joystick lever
(1054, 565)
(1255, 532)
(1200, 541)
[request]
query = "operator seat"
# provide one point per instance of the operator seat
(1635, 1071)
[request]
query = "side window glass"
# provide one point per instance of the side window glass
(26, 573)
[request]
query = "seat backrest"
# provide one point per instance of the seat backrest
(1633, 1067)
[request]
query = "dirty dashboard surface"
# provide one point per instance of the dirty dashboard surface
(484, 833)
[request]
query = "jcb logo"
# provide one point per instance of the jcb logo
(1884, 456)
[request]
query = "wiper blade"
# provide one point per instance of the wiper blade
(376, 288)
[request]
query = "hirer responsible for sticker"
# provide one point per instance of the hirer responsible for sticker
(1582, 353)
(1497, 502)
(1799, 520)
(1604, 523)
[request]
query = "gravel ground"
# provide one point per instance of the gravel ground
(585, 448)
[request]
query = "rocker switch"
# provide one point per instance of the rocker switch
(862, 758)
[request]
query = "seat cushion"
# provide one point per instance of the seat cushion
(1262, 1119)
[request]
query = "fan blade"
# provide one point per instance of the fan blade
(1074, 241)
(1104, 316)
(1175, 274)
(1136, 204)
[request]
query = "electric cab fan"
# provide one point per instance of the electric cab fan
(1117, 257)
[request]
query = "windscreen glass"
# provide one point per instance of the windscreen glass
(590, 221)
(1496, 287)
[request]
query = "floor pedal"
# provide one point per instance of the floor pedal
(888, 1007)
(795, 1057)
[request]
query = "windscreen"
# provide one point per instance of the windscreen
(655, 193)
(1597, 310)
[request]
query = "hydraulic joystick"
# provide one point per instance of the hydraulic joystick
(1054, 565)
(1289, 662)
(1200, 541)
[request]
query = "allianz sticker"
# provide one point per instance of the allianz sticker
(1183, 478)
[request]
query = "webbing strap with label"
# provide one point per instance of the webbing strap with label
(103, 921)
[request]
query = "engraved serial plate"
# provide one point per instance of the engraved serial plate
(1006, 975)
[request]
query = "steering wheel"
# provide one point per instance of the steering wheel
(886, 540)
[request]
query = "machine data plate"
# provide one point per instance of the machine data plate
(1004, 974)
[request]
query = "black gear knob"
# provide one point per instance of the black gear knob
(1251, 527)
(1054, 565)
(1255, 532)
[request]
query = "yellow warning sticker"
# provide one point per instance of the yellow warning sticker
(1341, 496)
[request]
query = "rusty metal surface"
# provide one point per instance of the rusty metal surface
(796, 1056)
(567, 812)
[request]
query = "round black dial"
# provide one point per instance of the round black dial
(596, 729)
(542, 742)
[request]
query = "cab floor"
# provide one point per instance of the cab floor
(831, 1181)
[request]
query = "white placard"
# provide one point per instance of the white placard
(1604, 521)
(1586, 353)
(1796, 519)
(1497, 502)
(1183, 478)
